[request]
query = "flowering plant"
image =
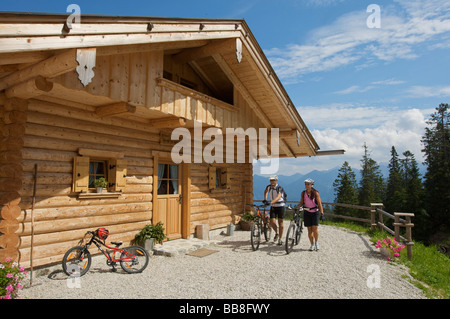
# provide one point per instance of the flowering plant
(393, 247)
(11, 276)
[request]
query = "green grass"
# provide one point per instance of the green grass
(429, 267)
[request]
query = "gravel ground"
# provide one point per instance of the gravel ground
(340, 269)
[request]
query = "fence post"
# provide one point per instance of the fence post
(408, 225)
(373, 211)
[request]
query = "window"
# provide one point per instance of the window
(219, 178)
(168, 179)
(87, 169)
(97, 169)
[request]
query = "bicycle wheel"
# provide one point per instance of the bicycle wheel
(255, 235)
(267, 230)
(290, 238)
(298, 234)
(135, 264)
(77, 260)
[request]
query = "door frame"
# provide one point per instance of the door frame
(185, 180)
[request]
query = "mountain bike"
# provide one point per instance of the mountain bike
(133, 259)
(260, 224)
(295, 230)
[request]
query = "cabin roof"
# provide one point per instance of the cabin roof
(36, 37)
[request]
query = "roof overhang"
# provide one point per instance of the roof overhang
(37, 37)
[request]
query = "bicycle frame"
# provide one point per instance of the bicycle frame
(97, 242)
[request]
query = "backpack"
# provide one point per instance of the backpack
(284, 194)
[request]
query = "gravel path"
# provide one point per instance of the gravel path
(339, 270)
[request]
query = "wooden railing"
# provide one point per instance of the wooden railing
(181, 101)
(375, 210)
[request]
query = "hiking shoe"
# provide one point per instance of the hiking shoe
(317, 246)
(275, 238)
(312, 247)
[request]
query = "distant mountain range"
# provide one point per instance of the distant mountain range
(323, 182)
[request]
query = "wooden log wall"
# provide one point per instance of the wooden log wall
(219, 207)
(12, 123)
(53, 135)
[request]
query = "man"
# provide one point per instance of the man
(277, 209)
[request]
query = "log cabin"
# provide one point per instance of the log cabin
(101, 98)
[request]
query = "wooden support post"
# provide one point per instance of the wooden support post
(408, 225)
(373, 211)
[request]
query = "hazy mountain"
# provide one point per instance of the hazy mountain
(294, 184)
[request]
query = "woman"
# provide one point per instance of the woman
(310, 201)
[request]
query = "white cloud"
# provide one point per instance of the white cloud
(348, 39)
(429, 91)
(379, 128)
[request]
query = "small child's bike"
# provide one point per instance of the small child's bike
(133, 259)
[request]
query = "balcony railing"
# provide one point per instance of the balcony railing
(181, 101)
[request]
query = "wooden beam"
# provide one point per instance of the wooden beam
(31, 88)
(168, 122)
(115, 109)
(214, 47)
(49, 68)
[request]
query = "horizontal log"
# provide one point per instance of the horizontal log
(31, 88)
(70, 201)
(46, 143)
(56, 213)
(87, 115)
(89, 126)
(44, 227)
(36, 154)
(90, 137)
(51, 67)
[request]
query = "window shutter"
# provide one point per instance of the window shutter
(226, 178)
(80, 174)
(212, 178)
(118, 174)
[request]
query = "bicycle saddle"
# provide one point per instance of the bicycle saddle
(117, 243)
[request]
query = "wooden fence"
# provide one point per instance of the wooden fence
(400, 220)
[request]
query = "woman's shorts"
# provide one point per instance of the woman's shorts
(311, 219)
(277, 212)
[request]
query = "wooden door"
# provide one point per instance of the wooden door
(169, 199)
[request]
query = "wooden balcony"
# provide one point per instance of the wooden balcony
(181, 101)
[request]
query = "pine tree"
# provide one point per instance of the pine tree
(413, 195)
(437, 157)
(372, 188)
(345, 189)
(395, 191)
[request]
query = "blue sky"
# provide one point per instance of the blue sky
(350, 83)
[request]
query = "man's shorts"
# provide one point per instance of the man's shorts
(311, 219)
(277, 212)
